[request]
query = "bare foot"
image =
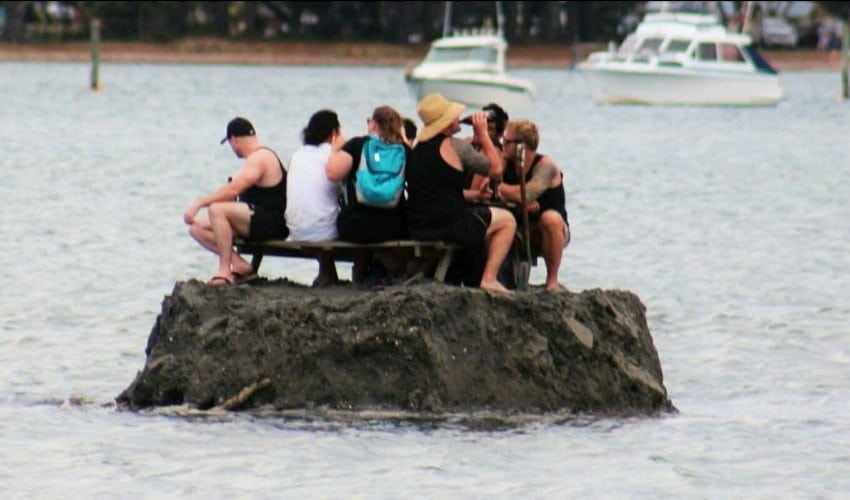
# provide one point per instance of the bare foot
(242, 270)
(494, 286)
(554, 287)
(220, 280)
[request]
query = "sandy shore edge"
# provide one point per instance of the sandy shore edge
(206, 51)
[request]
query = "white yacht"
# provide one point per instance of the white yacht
(681, 58)
(469, 67)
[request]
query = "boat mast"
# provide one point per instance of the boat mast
(500, 19)
(447, 19)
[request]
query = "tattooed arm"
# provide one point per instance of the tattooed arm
(542, 179)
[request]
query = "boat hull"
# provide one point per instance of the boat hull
(474, 93)
(681, 86)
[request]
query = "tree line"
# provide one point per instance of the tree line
(353, 21)
(377, 21)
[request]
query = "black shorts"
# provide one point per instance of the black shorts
(370, 225)
(267, 224)
(471, 228)
(467, 230)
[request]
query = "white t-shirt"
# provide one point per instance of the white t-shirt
(312, 201)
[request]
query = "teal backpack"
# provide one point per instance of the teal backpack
(379, 180)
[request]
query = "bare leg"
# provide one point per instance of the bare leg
(327, 271)
(202, 232)
(358, 269)
(553, 234)
(226, 220)
(500, 236)
(393, 263)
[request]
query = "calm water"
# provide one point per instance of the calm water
(730, 224)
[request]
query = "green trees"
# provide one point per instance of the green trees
(380, 21)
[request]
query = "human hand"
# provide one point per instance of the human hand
(532, 207)
(479, 124)
(189, 215)
(485, 192)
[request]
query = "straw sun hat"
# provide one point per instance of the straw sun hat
(436, 113)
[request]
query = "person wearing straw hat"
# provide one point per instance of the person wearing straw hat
(437, 173)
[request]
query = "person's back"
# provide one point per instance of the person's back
(360, 221)
(374, 163)
(272, 197)
(437, 175)
(434, 190)
(312, 199)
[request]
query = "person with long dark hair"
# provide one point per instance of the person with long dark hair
(312, 199)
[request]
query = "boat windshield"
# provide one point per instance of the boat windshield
(486, 55)
(650, 45)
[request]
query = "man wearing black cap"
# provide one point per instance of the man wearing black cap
(250, 205)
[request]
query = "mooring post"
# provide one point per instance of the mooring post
(845, 60)
(95, 54)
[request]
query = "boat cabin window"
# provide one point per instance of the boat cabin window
(731, 53)
(650, 45)
(706, 52)
(647, 49)
(488, 55)
(676, 46)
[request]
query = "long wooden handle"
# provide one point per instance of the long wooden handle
(520, 165)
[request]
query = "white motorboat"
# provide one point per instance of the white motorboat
(469, 67)
(676, 58)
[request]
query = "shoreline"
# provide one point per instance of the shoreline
(213, 51)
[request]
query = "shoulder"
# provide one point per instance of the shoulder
(461, 146)
(546, 168)
(263, 156)
(547, 163)
(354, 145)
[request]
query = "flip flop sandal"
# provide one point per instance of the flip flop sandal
(220, 281)
(245, 278)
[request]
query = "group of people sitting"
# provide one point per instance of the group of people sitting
(391, 184)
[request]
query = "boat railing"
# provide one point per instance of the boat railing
(474, 32)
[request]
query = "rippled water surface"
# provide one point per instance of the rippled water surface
(731, 224)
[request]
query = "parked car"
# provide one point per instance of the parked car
(777, 32)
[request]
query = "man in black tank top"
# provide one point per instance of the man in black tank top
(544, 194)
(437, 171)
(251, 205)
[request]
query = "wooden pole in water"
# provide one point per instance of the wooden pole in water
(95, 54)
(845, 60)
(526, 232)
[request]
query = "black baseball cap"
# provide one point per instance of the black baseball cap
(238, 127)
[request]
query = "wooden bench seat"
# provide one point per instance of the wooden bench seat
(343, 251)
